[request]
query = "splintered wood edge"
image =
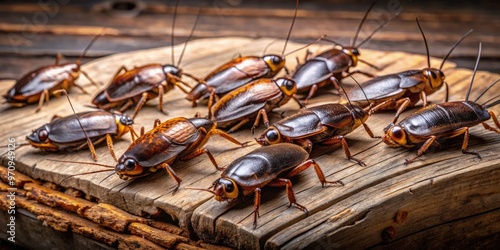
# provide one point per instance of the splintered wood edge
(202, 56)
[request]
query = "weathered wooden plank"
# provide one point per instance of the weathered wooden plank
(278, 224)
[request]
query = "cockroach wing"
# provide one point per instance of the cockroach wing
(410, 78)
(377, 88)
(96, 124)
(135, 82)
(264, 164)
(302, 124)
(333, 115)
(152, 149)
(312, 72)
(179, 131)
(238, 75)
(245, 101)
(444, 117)
(44, 78)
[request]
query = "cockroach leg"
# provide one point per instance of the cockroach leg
(43, 97)
(90, 144)
(156, 123)
(173, 175)
(423, 97)
(369, 131)
(119, 71)
(239, 125)
(312, 92)
(402, 104)
(111, 148)
(199, 152)
(90, 79)
(126, 105)
(265, 119)
(339, 138)
(161, 91)
(465, 143)
(279, 182)
(226, 136)
(422, 149)
(139, 105)
(256, 206)
(305, 165)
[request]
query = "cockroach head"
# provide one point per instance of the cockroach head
(435, 76)
(129, 167)
(171, 69)
(124, 119)
(353, 53)
(274, 62)
(225, 189)
(269, 137)
(395, 136)
(287, 86)
(40, 135)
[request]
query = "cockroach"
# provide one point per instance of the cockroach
(251, 101)
(39, 85)
(65, 133)
(265, 166)
(85, 129)
(240, 71)
(141, 84)
(177, 138)
(441, 121)
(331, 64)
(403, 89)
(325, 124)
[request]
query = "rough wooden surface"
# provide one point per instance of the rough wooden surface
(441, 187)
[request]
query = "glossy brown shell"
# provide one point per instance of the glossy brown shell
(264, 164)
(135, 82)
(163, 143)
(445, 117)
(232, 75)
(44, 78)
(246, 101)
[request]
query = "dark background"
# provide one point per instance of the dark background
(33, 32)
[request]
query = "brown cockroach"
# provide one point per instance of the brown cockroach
(177, 138)
(39, 85)
(141, 84)
(251, 101)
(443, 120)
(80, 130)
(325, 124)
(265, 166)
(403, 89)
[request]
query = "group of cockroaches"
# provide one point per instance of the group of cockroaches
(243, 90)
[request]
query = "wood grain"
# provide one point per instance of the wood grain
(442, 186)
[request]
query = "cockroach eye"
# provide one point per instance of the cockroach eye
(43, 135)
(272, 135)
(277, 60)
(397, 133)
(289, 84)
(125, 119)
(229, 187)
(129, 164)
